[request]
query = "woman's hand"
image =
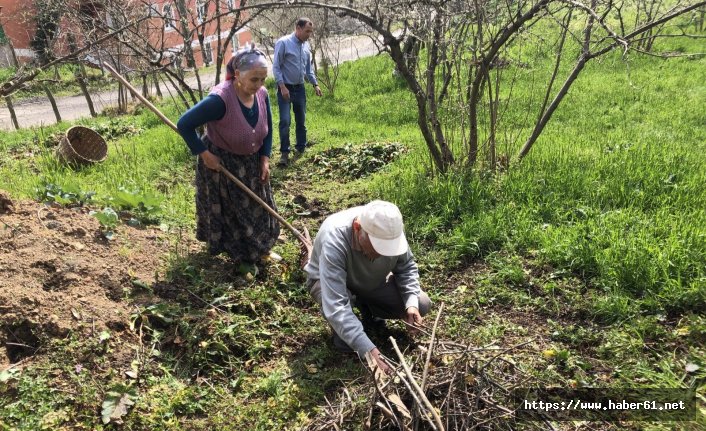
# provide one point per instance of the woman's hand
(211, 160)
(264, 169)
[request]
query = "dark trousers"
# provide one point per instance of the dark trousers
(384, 302)
(296, 102)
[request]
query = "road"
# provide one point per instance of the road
(37, 111)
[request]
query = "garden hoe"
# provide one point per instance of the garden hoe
(305, 239)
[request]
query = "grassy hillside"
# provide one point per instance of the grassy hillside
(593, 249)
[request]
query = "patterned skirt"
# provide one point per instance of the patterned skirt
(228, 219)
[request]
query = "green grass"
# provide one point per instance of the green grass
(613, 192)
(151, 158)
(594, 247)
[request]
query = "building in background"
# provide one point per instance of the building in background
(18, 27)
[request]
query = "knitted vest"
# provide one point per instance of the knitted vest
(232, 132)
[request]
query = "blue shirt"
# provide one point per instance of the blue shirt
(292, 61)
(213, 108)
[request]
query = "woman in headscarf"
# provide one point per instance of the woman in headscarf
(238, 136)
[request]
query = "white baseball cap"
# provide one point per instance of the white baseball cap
(382, 221)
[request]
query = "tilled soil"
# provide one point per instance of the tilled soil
(58, 274)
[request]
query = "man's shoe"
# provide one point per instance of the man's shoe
(340, 345)
(298, 154)
(284, 160)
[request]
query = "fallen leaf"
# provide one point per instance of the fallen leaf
(9, 374)
(131, 374)
(274, 257)
(311, 369)
(76, 314)
(683, 331)
(378, 374)
(549, 354)
(395, 399)
(105, 335)
(691, 367)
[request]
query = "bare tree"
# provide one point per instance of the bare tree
(232, 16)
(457, 56)
(460, 59)
(326, 50)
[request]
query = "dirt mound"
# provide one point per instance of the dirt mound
(58, 274)
(5, 204)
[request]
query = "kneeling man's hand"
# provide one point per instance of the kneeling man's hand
(413, 318)
(375, 353)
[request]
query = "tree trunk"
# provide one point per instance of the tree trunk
(187, 37)
(129, 93)
(52, 101)
(179, 92)
(580, 64)
(145, 88)
(396, 53)
(79, 75)
(15, 62)
(11, 108)
(120, 97)
(157, 90)
(484, 67)
(86, 94)
(219, 45)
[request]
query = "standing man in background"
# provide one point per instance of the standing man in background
(291, 65)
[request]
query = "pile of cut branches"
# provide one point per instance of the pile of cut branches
(440, 386)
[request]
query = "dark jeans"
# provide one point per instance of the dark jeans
(297, 101)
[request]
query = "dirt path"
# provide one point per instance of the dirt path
(37, 111)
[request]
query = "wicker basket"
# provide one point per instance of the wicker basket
(82, 146)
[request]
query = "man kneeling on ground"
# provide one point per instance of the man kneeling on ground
(361, 257)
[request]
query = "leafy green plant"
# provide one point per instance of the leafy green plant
(117, 402)
(144, 206)
(161, 315)
(7, 377)
(108, 219)
(117, 127)
(64, 195)
(352, 162)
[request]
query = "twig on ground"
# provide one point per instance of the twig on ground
(415, 385)
(472, 387)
